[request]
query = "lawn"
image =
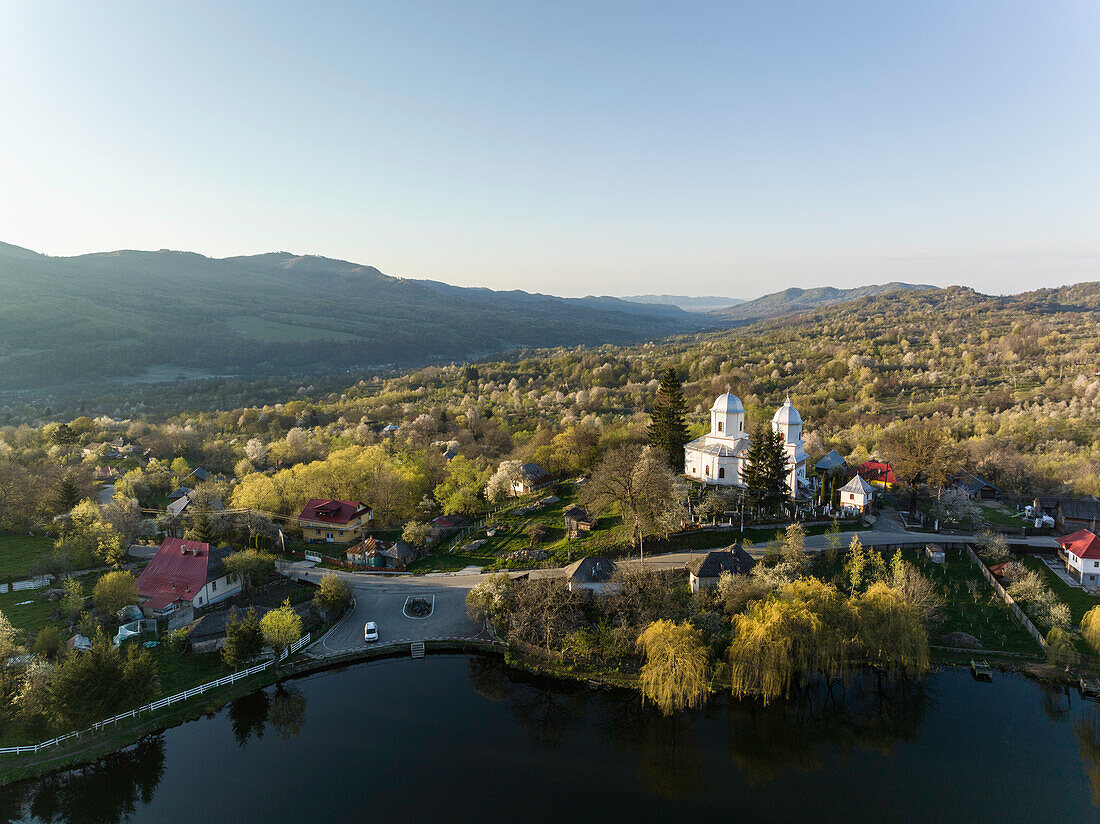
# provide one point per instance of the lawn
(971, 604)
(996, 514)
(1078, 600)
(19, 553)
(23, 616)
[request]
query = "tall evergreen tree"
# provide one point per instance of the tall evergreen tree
(668, 425)
(765, 475)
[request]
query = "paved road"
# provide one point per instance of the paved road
(382, 600)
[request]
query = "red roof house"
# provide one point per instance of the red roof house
(1081, 553)
(185, 573)
(334, 521)
(876, 472)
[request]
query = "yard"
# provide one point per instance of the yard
(999, 516)
(609, 538)
(20, 553)
(1078, 600)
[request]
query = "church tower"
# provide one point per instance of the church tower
(727, 417)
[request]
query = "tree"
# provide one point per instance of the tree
(1061, 651)
(765, 473)
(503, 481)
(253, 565)
(281, 627)
(921, 451)
(676, 674)
(86, 687)
(85, 533)
(200, 528)
(115, 590)
(73, 601)
(637, 481)
(667, 432)
(333, 593)
(461, 489)
(890, 630)
(244, 638)
(488, 601)
(417, 533)
(542, 612)
(1090, 629)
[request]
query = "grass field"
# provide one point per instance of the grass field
(996, 514)
(1078, 600)
(270, 331)
(18, 554)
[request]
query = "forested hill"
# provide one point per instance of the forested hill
(152, 316)
(798, 300)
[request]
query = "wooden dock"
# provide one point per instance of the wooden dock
(981, 670)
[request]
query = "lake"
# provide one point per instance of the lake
(463, 739)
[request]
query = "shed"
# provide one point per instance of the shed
(976, 486)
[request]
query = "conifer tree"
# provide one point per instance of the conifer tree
(765, 474)
(668, 427)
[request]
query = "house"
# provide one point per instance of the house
(705, 572)
(577, 520)
(1080, 551)
(338, 522)
(184, 576)
(877, 473)
(179, 492)
(976, 487)
(1070, 512)
(533, 477)
(79, 643)
(830, 463)
(589, 574)
(720, 456)
(857, 494)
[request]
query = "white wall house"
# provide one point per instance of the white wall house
(1081, 554)
(857, 494)
(720, 456)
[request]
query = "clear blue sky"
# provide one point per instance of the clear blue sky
(569, 147)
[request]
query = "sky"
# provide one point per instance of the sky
(701, 148)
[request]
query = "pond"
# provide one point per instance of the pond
(463, 739)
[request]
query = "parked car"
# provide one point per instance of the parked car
(370, 632)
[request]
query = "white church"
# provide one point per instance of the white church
(720, 456)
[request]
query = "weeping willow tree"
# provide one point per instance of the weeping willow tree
(810, 629)
(677, 672)
(1090, 629)
(803, 628)
(891, 634)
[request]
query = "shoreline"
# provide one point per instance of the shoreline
(125, 734)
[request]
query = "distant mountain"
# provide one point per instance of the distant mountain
(157, 316)
(798, 300)
(704, 303)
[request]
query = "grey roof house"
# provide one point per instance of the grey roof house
(705, 571)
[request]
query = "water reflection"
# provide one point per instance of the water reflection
(248, 715)
(1087, 731)
(106, 792)
(287, 714)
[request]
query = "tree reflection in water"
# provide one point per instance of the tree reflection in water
(1087, 730)
(287, 713)
(105, 792)
(248, 716)
(869, 713)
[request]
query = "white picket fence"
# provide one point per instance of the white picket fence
(157, 705)
(30, 583)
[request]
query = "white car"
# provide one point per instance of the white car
(370, 632)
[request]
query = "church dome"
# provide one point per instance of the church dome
(787, 414)
(728, 404)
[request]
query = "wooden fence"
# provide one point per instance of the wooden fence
(159, 704)
(1013, 607)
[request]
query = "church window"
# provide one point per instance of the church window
(708, 470)
(719, 426)
(721, 472)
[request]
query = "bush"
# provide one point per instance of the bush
(47, 642)
(176, 641)
(334, 593)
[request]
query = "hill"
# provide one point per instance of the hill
(798, 300)
(703, 303)
(137, 316)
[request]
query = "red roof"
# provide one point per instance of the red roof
(176, 573)
(1082, 543)
(876, 472)
(332, 512)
